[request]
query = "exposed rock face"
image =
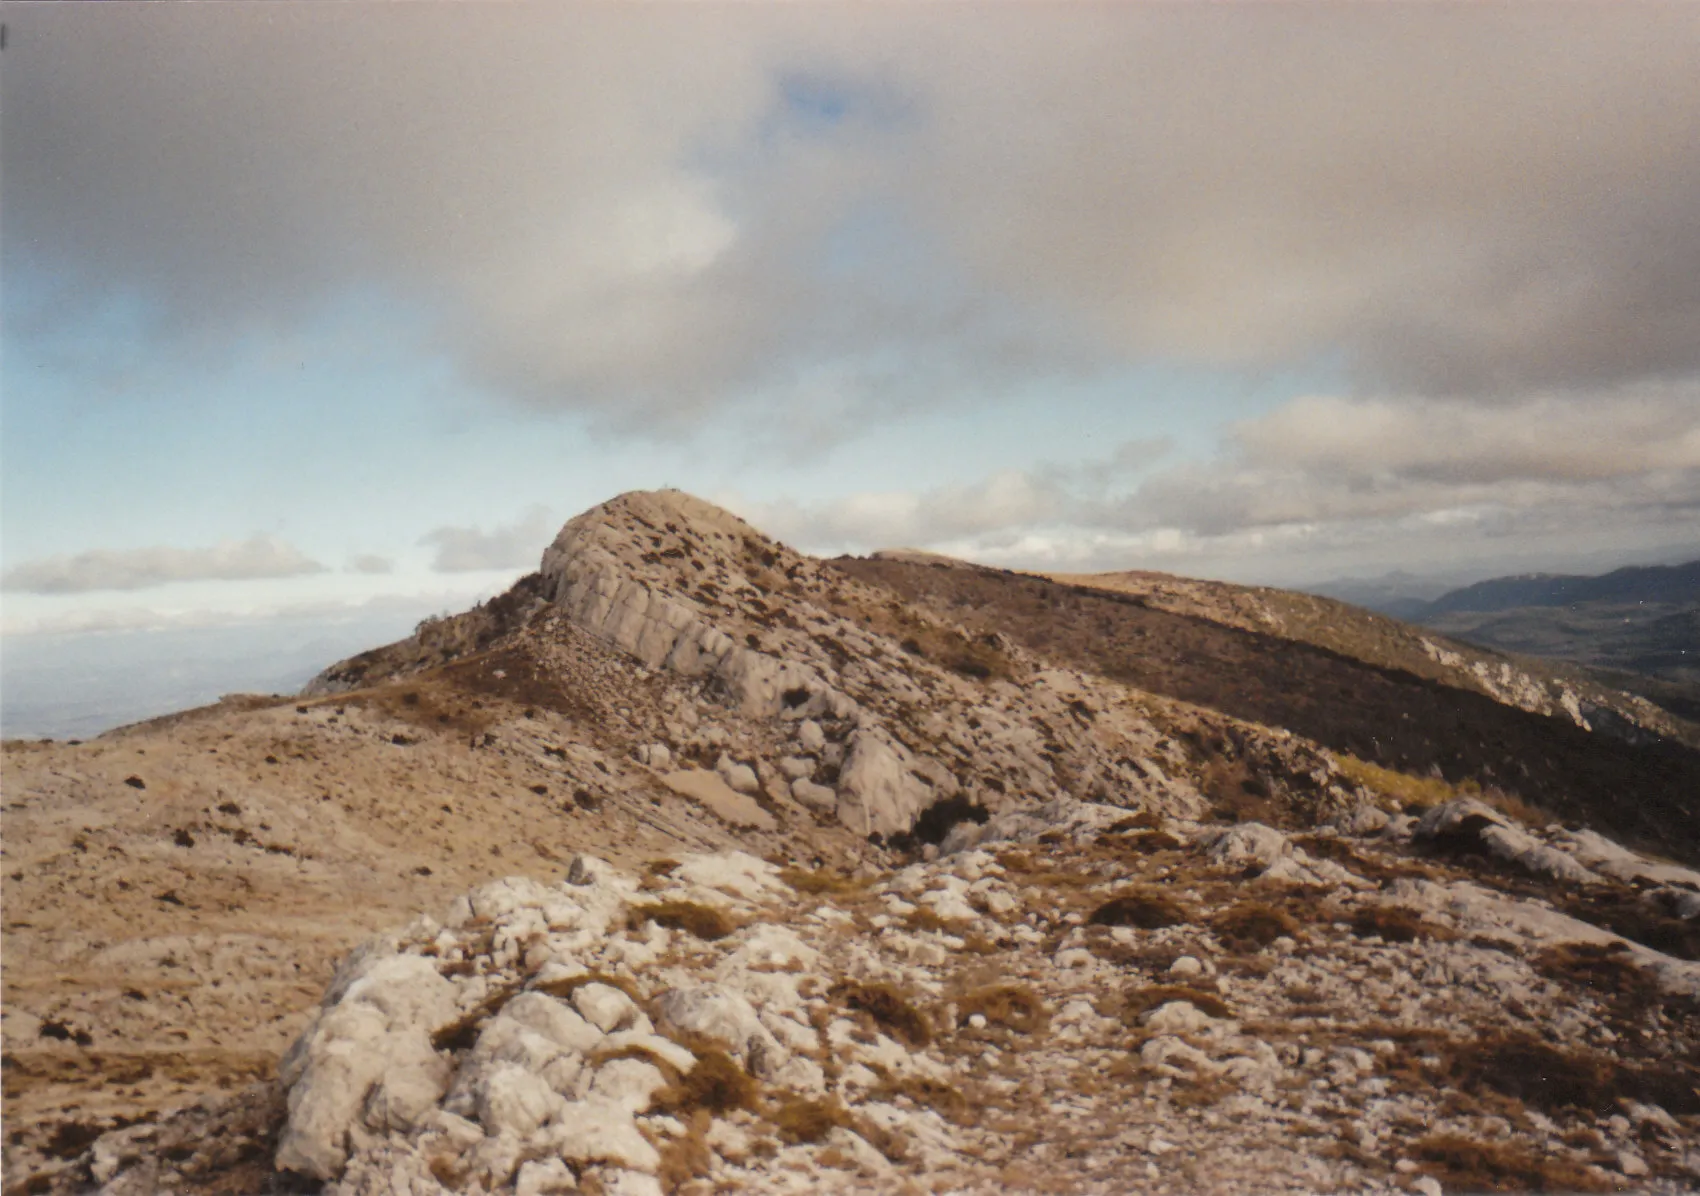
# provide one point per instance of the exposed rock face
(552, 1038)
(604, 764)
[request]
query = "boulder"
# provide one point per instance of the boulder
(726, 1018)
(811, 796)
(600, 1131)
(877, 792)
(604, 1006)
(741, 778)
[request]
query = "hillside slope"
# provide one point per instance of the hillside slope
(876, 873)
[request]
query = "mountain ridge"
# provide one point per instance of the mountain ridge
(949, 883)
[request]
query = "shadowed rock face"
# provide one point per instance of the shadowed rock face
(684, 921)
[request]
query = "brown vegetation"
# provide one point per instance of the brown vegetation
(1468, 1165)
(1012, 1006)
(1395, 924)
(704, 921)
(800, 1119)
(889, 1009)
(824, 882)
(1140, 908)
(1253, 924)
(1392, 718)
(717, 1084)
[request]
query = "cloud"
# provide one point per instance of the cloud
(1324, 483)
(140, 568)
(1475, 201)
(370, 562)
(987, 510)
(1330, 459)
(511, 546)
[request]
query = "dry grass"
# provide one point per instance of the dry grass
(1400, 789)
(824, 882)
(1141, 1001)
(1465, 1164)
(1412, 793)
(1252, 925)
(1141, 842)
(1396, 924)
(1509, 1070)
(717, 1084)
(1608, 971)
(688, 1156)
(1012, 1006)
(889, 1009)
(703, 921)
(800, 1119)
(925, 918)
(1141, 908)
(944, 1099)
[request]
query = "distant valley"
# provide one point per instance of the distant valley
(1636, 629)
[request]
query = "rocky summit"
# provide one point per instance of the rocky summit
(693, 864)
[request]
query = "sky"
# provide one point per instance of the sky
(330, 315)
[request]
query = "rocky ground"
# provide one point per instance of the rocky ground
(751, 874)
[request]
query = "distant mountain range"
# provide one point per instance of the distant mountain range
(1646, 583)
(1636, 628)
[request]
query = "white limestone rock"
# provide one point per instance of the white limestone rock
(368, 1055)
(818, 798)
(514, 1100)
(810, 737)
(604, 1006)
(600, 1131)
(877, 791)
(1249, 843)
(1501, 838)
(735, 872)
(629, 1083)
(725, 1017)
(740, 778)
(544, 1177)
(566, 1028)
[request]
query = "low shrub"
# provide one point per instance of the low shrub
(1140, 908)
(703, 921)
(1253, 925)
(1012, 1006)
(823, 882)
(889, 1009)
(1395, 924)
(800, 1119)
(716, 1084)
(1466, 1164)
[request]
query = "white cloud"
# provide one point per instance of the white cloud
(371, 562)
(1330, 459)
(1322, 483)
(141, 568)
(511, 546)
